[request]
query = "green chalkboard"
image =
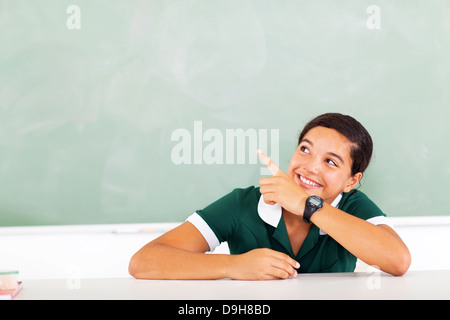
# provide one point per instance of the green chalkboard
(144, 111)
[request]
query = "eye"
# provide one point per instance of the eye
(331, 162)
(304, 149)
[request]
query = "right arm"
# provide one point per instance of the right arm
(180, 254)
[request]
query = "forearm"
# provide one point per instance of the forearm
(372, 244)
(158, 261)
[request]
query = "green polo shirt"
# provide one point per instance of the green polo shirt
(246, 222)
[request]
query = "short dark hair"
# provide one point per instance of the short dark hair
(362, 145)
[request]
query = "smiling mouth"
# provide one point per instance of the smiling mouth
(308, 182)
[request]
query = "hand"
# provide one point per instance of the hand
(281, 189)
(263, 264)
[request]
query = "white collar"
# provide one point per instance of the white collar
(271, 214)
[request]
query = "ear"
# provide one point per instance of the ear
(352, 182)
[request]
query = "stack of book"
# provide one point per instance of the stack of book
(9, 286)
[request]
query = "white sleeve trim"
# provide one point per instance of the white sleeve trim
(380, 220)
(205, 230)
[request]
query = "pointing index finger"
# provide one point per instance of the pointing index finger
(273, 167)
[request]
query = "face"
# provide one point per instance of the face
(321, 165)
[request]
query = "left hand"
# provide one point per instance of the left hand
(281, 189)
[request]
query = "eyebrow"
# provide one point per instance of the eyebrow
(329, 153)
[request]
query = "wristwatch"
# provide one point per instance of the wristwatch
(312, 204)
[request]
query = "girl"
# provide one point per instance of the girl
(309, 219)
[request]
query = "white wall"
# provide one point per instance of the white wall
(428, 239)
(73, 252)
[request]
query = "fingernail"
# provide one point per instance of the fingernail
(297, 265)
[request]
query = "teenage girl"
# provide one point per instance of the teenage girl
(310, 219)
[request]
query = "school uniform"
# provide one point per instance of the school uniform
(246, 222)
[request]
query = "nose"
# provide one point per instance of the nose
(312, 165)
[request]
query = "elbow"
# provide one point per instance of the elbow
(145, 264)
(134, 267)
(402, 264)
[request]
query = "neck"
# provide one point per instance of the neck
(293, 220)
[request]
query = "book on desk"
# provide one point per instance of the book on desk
(9, 286)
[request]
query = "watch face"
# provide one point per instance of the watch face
(315, 201)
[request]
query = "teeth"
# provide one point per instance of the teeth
(311, 183)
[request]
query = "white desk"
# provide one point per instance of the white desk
(413, 285)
